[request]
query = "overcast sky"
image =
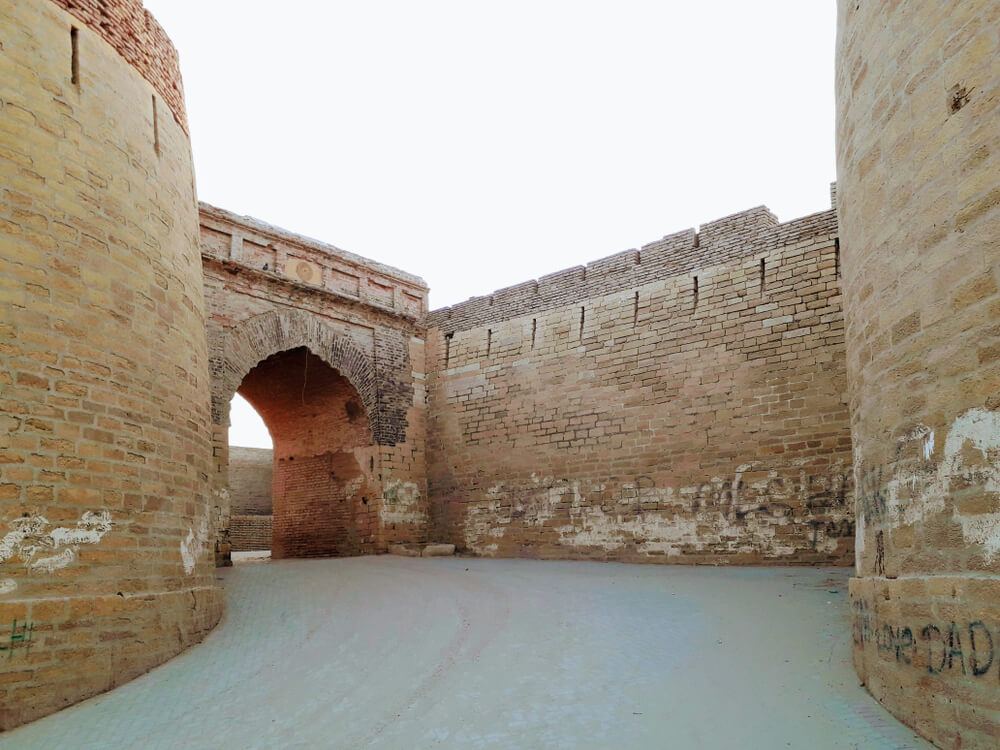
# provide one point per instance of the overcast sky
(480, 144)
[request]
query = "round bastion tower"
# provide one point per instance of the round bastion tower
(918, 154)
(105, 561)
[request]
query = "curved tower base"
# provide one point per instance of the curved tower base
(918, 97)
(105, 568)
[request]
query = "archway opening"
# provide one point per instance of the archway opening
(324, 459)
(251, 477)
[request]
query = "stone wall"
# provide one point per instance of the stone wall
(918, 149)
(105, 427)
(680, 403)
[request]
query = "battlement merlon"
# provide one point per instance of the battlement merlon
(755, 231)
(255, 244)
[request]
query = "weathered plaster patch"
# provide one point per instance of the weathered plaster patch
(192, 544)
(859, 538)
(913, 496)
(401, 504)
(719, 513)
(653, 532)
(983, 529)
(980, 429)
(7, 585)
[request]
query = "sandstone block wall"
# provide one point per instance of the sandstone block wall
(270, 291)
(680, 403)
(918, 149)
(135, 35)
(105, 428)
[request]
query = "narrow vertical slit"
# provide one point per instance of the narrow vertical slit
(447, 348)
(696, 291)
(156, 128)
(762, 272)
(534, 329)
(836, 257)
(635, 311)
(74, 62)
(582, 314)
(489, 340)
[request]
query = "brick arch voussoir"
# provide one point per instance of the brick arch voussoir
(254, 340)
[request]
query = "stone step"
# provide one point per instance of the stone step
(429, 550)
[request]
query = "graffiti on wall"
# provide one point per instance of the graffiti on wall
(966, 649)
(45, 550)
(18, 638)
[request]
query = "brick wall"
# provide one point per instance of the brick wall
(250, 533)
(251, 473)
(918, 146)
(105, 424)
(680, 403)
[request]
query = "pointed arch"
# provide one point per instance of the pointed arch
(253, 340)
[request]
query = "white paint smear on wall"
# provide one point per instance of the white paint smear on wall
(29, 541)
(971, 457)
(50, 564)
(192, 544)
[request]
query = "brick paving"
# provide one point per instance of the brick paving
(394, 652)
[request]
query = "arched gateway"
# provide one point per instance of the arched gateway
(325, 346)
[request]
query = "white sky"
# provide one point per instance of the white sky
(480, 144)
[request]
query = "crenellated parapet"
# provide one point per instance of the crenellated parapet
(755, 231)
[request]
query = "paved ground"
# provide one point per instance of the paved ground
(392, 652)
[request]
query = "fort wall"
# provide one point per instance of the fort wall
(105, 569)
(696, 400)
(918, 150)
(680, 403)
